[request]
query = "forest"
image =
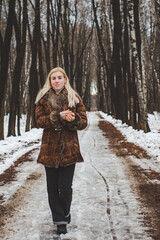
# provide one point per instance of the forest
(109, 49)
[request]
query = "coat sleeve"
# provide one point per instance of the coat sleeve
(80, 121)
(50, 119)
(42, 118)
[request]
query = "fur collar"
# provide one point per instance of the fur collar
(57, 101)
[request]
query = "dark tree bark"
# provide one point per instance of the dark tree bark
(137, 30)
(106, 65)
(127, 71)
(82, 41)
(65, 25)
(139, 76)
(72, 56)
(33, 81)
(21, 45)
(117, 64)
(100, 39)
(48, 48)
(5, 49)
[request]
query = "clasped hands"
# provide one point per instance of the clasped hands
(67, 115)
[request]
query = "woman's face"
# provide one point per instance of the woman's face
(57, 80)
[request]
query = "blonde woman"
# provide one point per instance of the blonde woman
(60, 112)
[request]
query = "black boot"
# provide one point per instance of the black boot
(61, 229)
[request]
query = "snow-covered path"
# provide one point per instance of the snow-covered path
(104, 206)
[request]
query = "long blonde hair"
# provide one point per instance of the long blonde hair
(72, 98)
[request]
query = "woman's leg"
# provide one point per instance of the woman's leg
(65, 188)
(52, 175)
(59, 187)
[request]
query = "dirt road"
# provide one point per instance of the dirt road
(115, 197)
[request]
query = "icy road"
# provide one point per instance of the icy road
(104, 207)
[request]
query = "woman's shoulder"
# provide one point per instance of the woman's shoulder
(44, 98)
(79, 97)
(46, 95)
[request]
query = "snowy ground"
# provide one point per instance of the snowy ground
(13, 147)
(104, 206)
(149, 141)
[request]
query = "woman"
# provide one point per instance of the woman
(60, 111)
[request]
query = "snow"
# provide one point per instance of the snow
(104, 206)
(149, 141)
(13, 147)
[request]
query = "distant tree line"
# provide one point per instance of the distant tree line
(36, 36)
(113, 43)
(128, 69)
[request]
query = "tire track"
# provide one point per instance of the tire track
(127, 211)
(140, 173)
(108, 210)
(114, 219)
(117, 203)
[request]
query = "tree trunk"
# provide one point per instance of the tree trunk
(117, 61)
(127, 70)
(72, 57)
(4, 64)
(140, 79)
(21, 45)
(33, 81)
(65, 25)
(48, 47)
(107, 69)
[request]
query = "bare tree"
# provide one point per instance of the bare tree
(33, 75)
(104, 58)
(110, 38)
(20, 30)
(139, 74)
(4, 51)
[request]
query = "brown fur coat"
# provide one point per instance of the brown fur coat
(60, 146)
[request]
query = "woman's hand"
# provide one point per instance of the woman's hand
(67, 115)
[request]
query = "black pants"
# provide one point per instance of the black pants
(59, 187)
